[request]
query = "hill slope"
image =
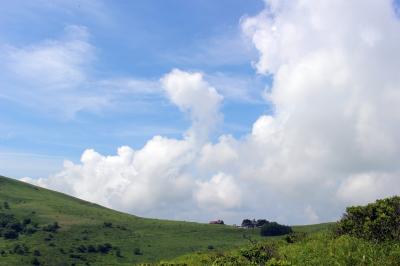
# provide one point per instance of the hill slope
(84, 226)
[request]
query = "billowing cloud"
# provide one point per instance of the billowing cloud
(220, 192)
(192, 94)
(332, 140)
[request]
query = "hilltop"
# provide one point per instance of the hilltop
(42, 227)
(90, 234)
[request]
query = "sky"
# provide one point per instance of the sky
(203, 110)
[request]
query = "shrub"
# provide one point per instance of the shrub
(295, 237)
(10, 234)
(323, 248)
(7, 219)
(20, 249)
(26, 221)
(105, 248)
(107, 224)
(16, 226)
(118, 252)
(137, 251)
(36, 262)
(91, 249)
(377, 221)
(275, 229)
(259, 253)
(52, 227)
(36, 253)
(276, 262)
(82, 249)
(29, 230)
(231, 260)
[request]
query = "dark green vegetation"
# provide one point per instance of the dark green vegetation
(42, 227)
(377, 221)
(366, 235)
(275, 229)
(322, 248)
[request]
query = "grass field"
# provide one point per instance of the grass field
(90, 234)
(316, 248)
(83, 224)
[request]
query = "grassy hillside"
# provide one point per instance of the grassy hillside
(314, 249)
(365, 235)
(93, 235)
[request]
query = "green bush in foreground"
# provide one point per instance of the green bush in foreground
(366, 235)
(377, 221)
(315, 250)
(326, 249)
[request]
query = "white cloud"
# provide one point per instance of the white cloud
(192, 94)
(54, 64)
(221, 192)
(363, 188)
(56, 77)
(52, 74)
(333, 139)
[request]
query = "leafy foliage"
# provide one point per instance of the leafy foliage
(295, 237)
(377, 221)
(247, 223)
(11, 227)
(275, 229)
(52, 227)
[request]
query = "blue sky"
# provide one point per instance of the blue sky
(197, 110)
(139, 40)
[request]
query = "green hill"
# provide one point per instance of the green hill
(90, 234)
(42, 227)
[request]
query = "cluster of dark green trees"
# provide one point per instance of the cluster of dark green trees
(267, 228)
(11, 227)
(275, 229)
(378, 221)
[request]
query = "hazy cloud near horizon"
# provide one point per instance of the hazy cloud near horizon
(332, 140)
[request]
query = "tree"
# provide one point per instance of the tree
(261, 222)
(35, 262)
(275, 229)
(105, 248)
(378, 221)
(247, 223)
(36, 252)
(10, 234)
(137, 251)
(107, 224)
(52, 227)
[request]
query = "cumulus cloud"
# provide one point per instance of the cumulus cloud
(192, 94)
(332, 140)
(158, 175)
(220, 192)
(360, 188)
